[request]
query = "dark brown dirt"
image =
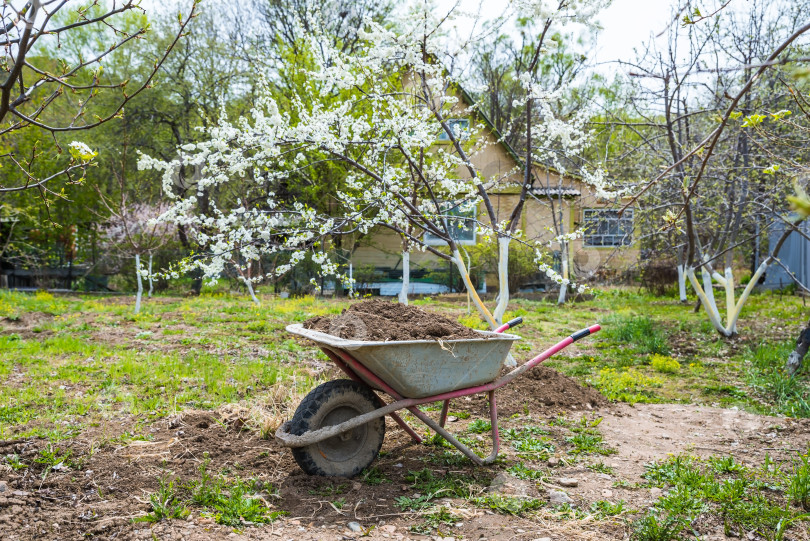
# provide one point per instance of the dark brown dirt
(380, 320)
(542, 387)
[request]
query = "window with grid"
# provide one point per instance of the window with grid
(604, 227)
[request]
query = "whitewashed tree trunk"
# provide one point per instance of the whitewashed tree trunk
(708, 287)
(503, 279)
(406, 278)
(140, 283)
(249, 286)
(151, 282)
(682, 283)
(730, 305)
(563, 273)
(479, 304)
(708, 305)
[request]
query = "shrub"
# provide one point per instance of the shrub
(667, 365)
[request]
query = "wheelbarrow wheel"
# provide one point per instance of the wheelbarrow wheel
(346, 454)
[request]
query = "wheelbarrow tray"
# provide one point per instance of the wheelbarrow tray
(421, 368)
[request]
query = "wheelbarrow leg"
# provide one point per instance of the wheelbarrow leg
(351, 373)
(445, 409)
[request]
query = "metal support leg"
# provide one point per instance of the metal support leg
(445, 409)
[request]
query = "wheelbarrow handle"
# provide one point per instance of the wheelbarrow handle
(509, 324)
(585, 332)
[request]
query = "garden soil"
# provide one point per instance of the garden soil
(542, 388)
(109, 485)
(380, 320)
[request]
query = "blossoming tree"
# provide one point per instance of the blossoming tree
(396, 97)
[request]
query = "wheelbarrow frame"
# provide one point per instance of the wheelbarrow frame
(354, 369)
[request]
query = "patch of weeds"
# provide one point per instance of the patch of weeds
(230, 502)
(441, 516)
(653, 527)
(724, 389)
(460, 414)
(726, 464)
(664, 364)
(742, 500)
(640, 331)
(479, 426)
(627, 386)
(53, 458)
(507, 505)
(587, 439)
(414, 503)
(601, 467)
(436, 440)
(798, 488)
(373, 476)
(527, 444)
(789, 395)
(14, 462)
(603, 508)
(520, 471)
(429, 487)
(165, 503)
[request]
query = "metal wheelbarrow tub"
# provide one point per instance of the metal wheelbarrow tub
(422, 368)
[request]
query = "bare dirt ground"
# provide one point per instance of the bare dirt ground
(112, 486)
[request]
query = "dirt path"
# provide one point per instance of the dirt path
(114, 481)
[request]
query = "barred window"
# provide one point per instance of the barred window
(604, 227)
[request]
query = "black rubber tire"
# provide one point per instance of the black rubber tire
(329, 404)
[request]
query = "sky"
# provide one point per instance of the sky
(626, 25)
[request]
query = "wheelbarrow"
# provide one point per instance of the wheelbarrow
(339, 427)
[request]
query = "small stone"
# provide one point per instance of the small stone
(542, 539)
(655, 492)
(355, 527)
(388, 528)
(452, 418)
(553, 462)
(607, 493)
(558, 497)
(568, 482)
(3, 487)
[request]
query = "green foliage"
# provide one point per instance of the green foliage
(507, 505)
(627, 386)
(664, 364)
(231, 502)
(798, 488)
(165, 504)
(641, 332)
(479, 426)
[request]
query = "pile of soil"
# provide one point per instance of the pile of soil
(380, 320)
(540, 387)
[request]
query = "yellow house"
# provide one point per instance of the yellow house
(608, 244)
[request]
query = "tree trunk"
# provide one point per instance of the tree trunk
(563, 273)
(708, 287)
(406, 278)
(249, 286)
(151, 282)
(796, 357)
(503, 279)
(140, 283)
(682, 283)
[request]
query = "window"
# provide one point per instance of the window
(460, 128)
(462, 228)
(606, 228)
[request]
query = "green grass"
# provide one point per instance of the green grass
(743, 499)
